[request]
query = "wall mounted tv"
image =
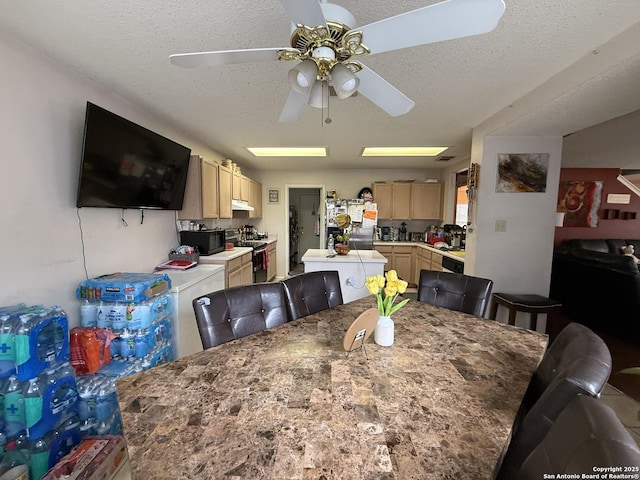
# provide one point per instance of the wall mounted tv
(125, 165)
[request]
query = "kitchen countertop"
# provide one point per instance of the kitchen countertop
(456, 254)
(320, 255)
(289, 403)
(225, 256)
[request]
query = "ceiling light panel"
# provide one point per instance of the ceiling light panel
(402, 151)
(288, 151)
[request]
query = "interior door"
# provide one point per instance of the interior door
(308, 218)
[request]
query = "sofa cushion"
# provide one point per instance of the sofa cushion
(593, 244)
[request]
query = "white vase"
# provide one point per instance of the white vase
(383, 334)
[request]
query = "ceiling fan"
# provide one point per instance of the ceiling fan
(327, 44)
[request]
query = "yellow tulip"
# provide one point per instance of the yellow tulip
(402, 286)
(392, 275)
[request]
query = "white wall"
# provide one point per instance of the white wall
(518, 260)
(614, 143)
(41, 120)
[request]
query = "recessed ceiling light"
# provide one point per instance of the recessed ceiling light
(402, 151)
(288, 151)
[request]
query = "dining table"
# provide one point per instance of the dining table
(291, 403)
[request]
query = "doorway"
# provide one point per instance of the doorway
(461, 208)
(306, 224)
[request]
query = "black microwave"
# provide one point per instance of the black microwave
(207, 242)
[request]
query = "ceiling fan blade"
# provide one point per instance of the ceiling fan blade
(433, 23)
(382, 93)
(294, 106)
(306, 12)
(226, 57)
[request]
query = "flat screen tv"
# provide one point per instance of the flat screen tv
(125, 165)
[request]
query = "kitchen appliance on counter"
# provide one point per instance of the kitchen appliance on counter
(453, 235)
(207, 242)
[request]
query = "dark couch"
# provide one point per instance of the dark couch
(598, 285)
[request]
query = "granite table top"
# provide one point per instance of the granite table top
(289, 403)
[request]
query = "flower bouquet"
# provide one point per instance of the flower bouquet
(386, 289)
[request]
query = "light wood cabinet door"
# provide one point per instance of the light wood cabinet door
(201, 191)
(225, 182)
(255, 198)
(246, 275)
(236, 186)
(426, 201)
(401, 201)
(404, 266)
(436, 262)
(245, 188)
(271, 268)
(209, 189)
(382, 197)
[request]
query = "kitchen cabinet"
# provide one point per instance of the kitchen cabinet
(271, 267)
(426, 201)
(255, 198)
(236, 186)
(225, 182)
(240, 271)
(400, 258)
(423, 262)
(201, 192)
(408, 200)
(436, 261)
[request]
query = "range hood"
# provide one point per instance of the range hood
(241, 205)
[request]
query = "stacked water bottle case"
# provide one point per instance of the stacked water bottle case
(39, 391)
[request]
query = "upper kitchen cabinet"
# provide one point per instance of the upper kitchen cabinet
(255, 198)
(225, 185)
(426, 201)
(408, 200)
(201, 192)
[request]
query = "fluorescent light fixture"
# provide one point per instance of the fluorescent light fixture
(288, 151)
(402, 151)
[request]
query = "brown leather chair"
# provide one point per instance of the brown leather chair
(578, 362)
(455, 291)
(236, 312)
(586, 434)
(312, 292)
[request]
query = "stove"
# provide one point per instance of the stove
(255, 244)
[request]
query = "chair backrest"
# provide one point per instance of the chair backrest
(312, 292)
(586, 434)
(455, 291)
(236, 312)
(577, 362)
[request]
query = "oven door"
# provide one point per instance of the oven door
(260, 264)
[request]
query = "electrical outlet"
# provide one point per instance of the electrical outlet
(351, 282)
(501, 226)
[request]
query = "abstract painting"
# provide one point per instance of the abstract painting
(522, 172)
(580, 202)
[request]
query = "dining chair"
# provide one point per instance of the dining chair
(586, 434)
(455, 291)
(236, 312)
(312, 292)
(578, 362)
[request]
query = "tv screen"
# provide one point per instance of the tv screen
(125, 165)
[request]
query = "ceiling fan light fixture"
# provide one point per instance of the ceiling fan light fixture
(319, 97)
(303, 76)
(344, 81)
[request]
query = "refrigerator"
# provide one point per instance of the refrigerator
(364, 220)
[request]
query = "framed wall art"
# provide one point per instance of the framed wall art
(273, 195)
(522, 172)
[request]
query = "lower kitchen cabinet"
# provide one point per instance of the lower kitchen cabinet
(271, 267)
(240, 271)
(400, 258)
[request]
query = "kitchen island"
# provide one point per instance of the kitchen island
(289, 403)
(353, 268)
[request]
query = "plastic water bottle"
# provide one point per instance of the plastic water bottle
(102, 317)
(33, 402)
(330, 245)
(21, 343)
(142, 347)
(7, 350)
(14, 462)
(89, 314)
(39, 461)
(14, 408)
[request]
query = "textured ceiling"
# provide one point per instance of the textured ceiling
(550, 67)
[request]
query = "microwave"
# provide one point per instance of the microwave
(207, 242)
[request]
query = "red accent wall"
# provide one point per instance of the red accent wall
(626, 229)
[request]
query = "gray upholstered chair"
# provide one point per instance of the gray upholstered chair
(585, 435)
(236, 312)
(455, 291)
(578, 362)
(312, 292)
